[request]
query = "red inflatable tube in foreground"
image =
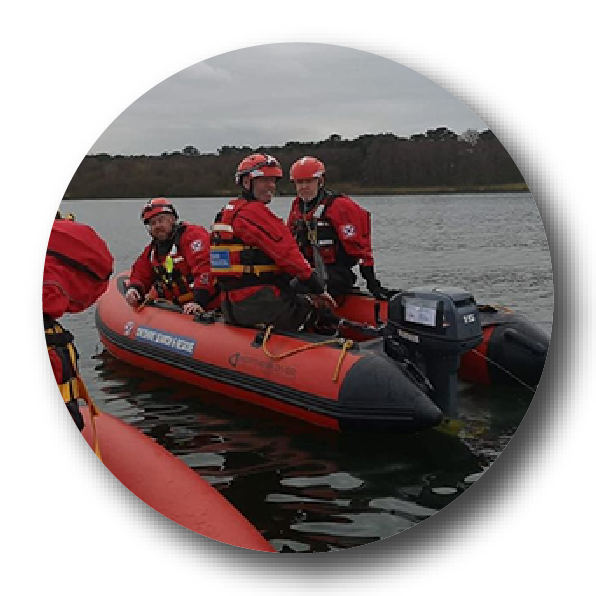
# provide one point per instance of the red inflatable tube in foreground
(168, 485)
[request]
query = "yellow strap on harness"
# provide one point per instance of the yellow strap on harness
(183, 298)
(68, 389)
(254, 269)
(346, 344)
(75, 388)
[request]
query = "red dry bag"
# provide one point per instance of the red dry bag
(77, 268)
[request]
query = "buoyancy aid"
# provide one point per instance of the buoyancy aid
(64, 361)
(312, 227)
(60, 344)
(235, 264)
(60, 341)
(173, 279)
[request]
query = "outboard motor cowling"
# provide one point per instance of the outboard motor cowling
(434, 327)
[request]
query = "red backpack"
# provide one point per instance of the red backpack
(77, 268)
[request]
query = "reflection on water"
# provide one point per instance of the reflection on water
(310, 490)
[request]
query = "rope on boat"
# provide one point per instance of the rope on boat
(502, 368)
(346, 344)
(151, 301)
(93, 411)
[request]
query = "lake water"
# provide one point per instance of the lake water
(309, 490)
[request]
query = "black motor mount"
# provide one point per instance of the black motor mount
(432, 327)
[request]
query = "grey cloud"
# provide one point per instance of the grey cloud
(268, 95)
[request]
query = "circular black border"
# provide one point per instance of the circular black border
(541, 448)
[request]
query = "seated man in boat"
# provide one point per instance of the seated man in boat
(77, 267)
(332, 229)
(175, 264)
(254, 256)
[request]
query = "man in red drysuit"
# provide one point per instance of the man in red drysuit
(175, 263)
(334, 226)
(255, 258)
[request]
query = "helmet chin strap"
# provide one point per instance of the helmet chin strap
(248, 193)
(312, 203)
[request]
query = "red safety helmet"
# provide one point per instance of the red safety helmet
(307, 167)
(258, 164)
(155, 207)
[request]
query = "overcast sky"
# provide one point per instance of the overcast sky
(272, 94)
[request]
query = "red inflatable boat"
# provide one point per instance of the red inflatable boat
(167, 484)
(404, 378)
(327, 382)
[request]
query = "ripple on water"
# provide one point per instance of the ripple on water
(337, 480)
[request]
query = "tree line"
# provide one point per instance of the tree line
(372, 163)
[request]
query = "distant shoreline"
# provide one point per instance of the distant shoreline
(355, 191)
(435, 190)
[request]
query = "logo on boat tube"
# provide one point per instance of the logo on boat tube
(238, 359)
(168, 341)
(128, 327)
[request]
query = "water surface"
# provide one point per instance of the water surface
(309, 490)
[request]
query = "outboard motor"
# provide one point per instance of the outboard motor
(432, 327)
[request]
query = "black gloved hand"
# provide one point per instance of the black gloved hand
(373, 285)
(297, 286)
(377, 290)
(202, 297)
(314, 284)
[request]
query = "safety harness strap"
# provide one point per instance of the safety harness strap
(60, 341)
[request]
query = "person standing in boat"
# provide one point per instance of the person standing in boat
(175, 264)
(76, 271)
(255, 257)
(332, 231)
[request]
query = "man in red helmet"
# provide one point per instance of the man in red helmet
(332, 230)
(254, 256)
(175, 263)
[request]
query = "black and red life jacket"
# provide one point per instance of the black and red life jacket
(312, 227)
(235, 264)
(172, 274)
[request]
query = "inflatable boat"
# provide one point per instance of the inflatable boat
(513, 349)
(403, 378)
(167, 484)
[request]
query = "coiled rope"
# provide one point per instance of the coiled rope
(346, 344)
